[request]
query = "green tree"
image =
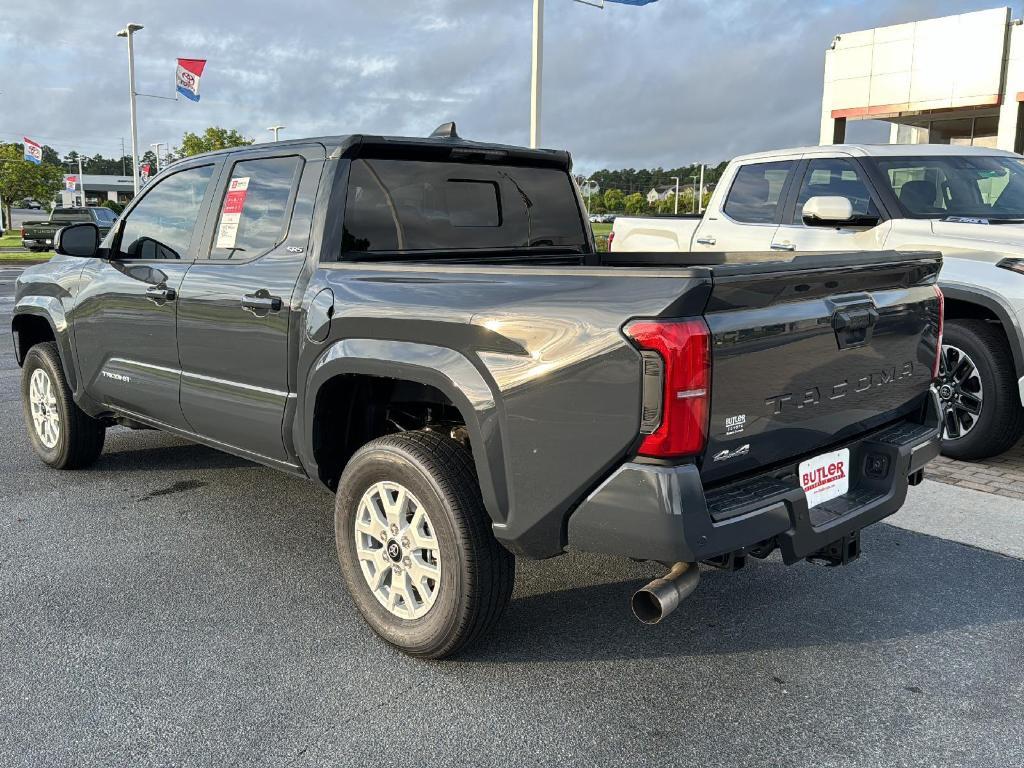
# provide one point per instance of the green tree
(20, 179)
(635, 204)
(613, 200)
(212, 138)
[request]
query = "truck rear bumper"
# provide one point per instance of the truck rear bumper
(663, 513)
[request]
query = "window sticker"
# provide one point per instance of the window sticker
(230, 214)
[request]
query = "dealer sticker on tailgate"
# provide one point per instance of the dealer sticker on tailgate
(825, 477)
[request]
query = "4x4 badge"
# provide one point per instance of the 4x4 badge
(743, 450)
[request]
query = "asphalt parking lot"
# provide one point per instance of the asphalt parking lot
(177, 606)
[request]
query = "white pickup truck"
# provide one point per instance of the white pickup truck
(967, 202)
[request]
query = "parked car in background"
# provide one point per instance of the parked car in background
(31, 204)
(426, 327)
(38, 235)
(966, 202)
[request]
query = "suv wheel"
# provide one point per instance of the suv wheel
(62, 434)
(415, 544)
(978, 390)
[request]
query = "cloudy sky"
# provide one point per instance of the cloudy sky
(674, 82)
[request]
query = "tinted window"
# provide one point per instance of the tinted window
(254, 213)
(160, 225)
(755, 193)
(402, 205)
(835, 177)
(105, 215)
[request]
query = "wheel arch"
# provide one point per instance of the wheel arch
(972, 302)
(39, 319)
(349, 364)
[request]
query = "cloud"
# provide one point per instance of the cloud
(669, 83)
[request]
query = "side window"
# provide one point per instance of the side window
(756, 191)
(160, 226)
(835, 177)
(255, 212)
(921, 189)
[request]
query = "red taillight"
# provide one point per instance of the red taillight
(22, 233)
(938, 343)
(678, 424)
(611, 237)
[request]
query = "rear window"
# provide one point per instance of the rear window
(404, 205)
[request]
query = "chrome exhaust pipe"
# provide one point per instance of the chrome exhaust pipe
(662, 596)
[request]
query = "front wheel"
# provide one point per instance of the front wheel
(62, 434)
(416, 547)
(978, 389)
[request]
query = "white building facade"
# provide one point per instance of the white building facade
(951, 80)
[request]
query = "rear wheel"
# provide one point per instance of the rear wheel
(62, 434)
(978, 389)
(415, 544)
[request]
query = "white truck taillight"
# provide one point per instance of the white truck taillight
(611, 237)
(677, 385)
(938, 344)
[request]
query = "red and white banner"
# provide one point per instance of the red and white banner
(33, 152)
(187, 77)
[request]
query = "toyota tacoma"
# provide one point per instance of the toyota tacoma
(425, 327)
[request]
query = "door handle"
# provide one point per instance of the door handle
(785, 246)
(160, 294)
(261, 303)
(706, 240)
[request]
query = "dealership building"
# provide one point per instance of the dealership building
(952, 80)
(98, 189)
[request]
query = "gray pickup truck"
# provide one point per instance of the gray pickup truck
(425, 327)
(38, 235)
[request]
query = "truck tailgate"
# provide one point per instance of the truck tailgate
(809, 350)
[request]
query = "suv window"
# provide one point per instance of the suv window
(756, 191)
(404, 205)
(254, 214)
(835, 177)
(105, 215)
(160, 225)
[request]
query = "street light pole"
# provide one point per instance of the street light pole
(276, 129)
(156, 151)
(676, 179)
(81, 181)
(700, 194)
(128, 32)
(537, 72)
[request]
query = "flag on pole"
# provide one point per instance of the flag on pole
(187, 79)
(33, 152)
(70, 183)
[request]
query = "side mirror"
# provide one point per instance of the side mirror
(827, 211)
(82, 240)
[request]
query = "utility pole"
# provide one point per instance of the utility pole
(156, 151)
(123, 171)
(676, 179)
(276, 129)
(129, 32)
(536, 72)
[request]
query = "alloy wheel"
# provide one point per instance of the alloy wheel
(960, 391)
(43, 404)
(397, 550)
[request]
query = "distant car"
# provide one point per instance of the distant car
(31, 204)
(595, 218)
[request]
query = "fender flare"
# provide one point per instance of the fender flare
(440, 367)
(51, 310)
(972, 294)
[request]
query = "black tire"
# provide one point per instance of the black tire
(80, 439)
(473, 594)
(1001, 422)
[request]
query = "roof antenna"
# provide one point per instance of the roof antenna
(445, 131)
